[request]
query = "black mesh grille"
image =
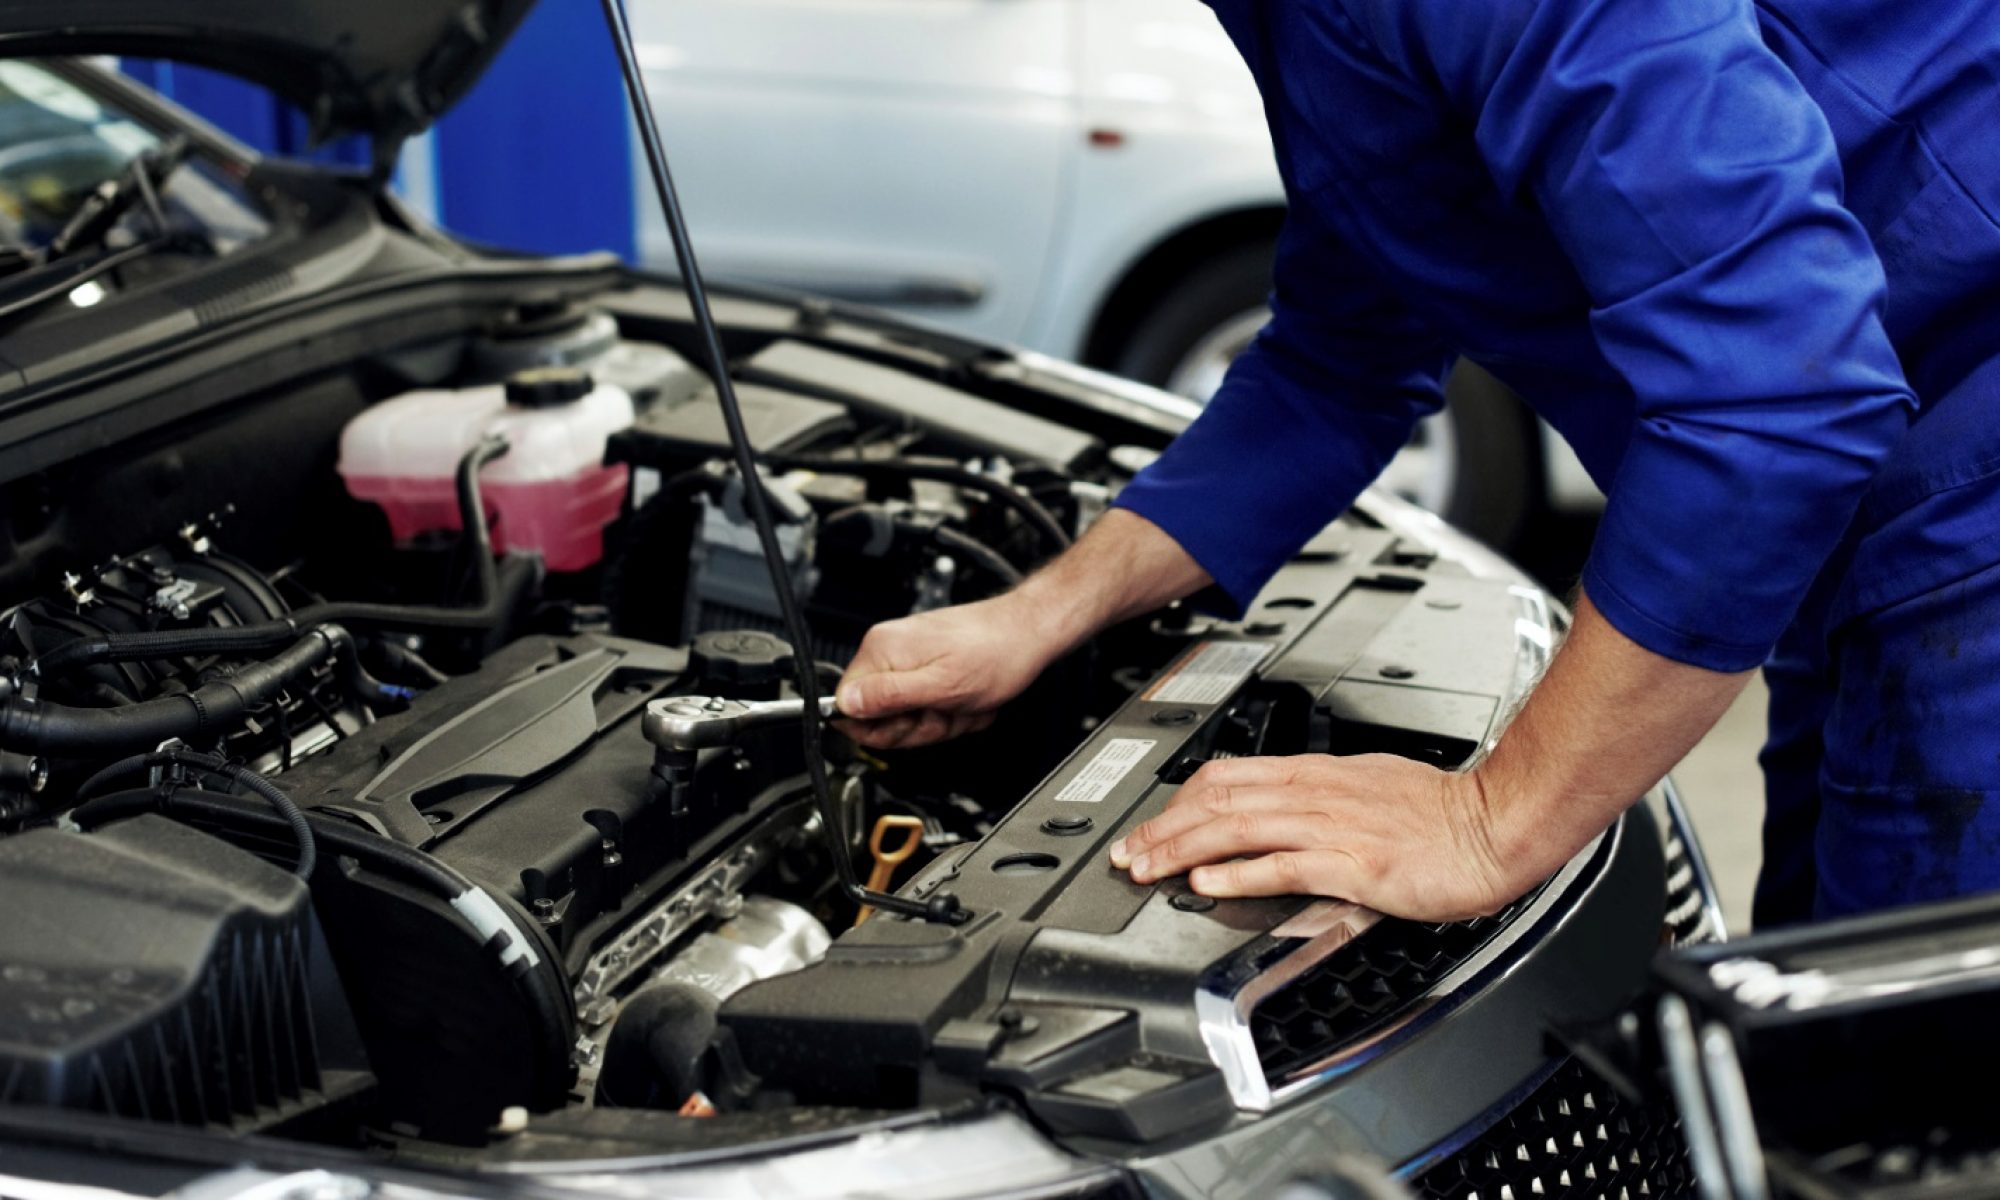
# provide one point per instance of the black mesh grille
(1363, 985)
(1575, 1136)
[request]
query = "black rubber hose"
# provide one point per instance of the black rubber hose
(372, 691)
(402, 659)
(266, 635)
(978, 553)
(392, 858)
(878, 519)
(166, 643)
(282, 804)
(491, 608)
(699, 481)
(216, 707)
(1000, 492)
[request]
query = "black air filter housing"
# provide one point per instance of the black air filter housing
(152, 971)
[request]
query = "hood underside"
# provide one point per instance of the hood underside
(385, 68)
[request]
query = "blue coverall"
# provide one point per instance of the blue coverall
(1745, 258)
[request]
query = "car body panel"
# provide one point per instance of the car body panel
(1191, 147)
(786, 118)
(1008, 162)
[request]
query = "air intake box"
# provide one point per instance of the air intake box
(152, 971)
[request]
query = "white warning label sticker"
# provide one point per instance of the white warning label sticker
(1105, 769)
(1210, 674)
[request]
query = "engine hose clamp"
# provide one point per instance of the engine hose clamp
(201, 709)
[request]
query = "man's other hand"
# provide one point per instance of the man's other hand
(1381, 831)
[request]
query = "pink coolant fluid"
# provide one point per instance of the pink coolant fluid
(551, 494)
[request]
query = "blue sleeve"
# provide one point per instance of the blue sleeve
(1305, 419)
(1696, 188)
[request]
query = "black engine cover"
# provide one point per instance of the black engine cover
(531, 777)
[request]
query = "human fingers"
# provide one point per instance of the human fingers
(1214, 803)
(1237, 835)
(1285, 873)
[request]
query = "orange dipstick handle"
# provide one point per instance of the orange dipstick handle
(887, 858)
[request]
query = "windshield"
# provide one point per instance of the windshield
(58, 141)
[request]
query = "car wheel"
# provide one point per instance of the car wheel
(1494, 451)
(1475, 464)
(1186, 339)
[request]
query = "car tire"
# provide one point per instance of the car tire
(1487, 481)
(1496, 478)
(1194, 317)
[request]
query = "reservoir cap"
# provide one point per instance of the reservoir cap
(545, 387)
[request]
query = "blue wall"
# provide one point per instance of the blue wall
(537, 157)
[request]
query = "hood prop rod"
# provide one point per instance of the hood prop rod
(941, 907)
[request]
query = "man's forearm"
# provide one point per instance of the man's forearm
(1608, 722)
(1125, 565)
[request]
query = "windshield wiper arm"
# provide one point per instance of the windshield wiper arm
(76, 279)
(141, 180)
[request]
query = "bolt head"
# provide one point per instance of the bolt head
(1067, 826)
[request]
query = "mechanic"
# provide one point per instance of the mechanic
(1745, 259)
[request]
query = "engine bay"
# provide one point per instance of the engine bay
(543, 877)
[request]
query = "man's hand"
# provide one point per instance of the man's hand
(939, 674)
(1607, 723)
(1382, 831)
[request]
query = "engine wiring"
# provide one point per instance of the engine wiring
(181, 757)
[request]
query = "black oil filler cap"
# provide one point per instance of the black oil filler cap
(546, 387)
(743, 664)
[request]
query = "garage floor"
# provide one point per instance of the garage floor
(1725, 792)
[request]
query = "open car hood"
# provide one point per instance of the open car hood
(385, 68)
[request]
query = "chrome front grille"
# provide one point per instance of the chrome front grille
(1363, 986)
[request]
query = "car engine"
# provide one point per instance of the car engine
(542, 875)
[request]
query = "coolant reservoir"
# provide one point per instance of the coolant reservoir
(551, 494)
